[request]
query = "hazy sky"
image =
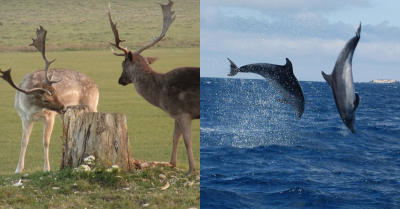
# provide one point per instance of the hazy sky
(311, 33)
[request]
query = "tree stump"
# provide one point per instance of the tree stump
(102, 135)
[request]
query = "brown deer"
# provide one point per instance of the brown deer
(39, 98)
(176, 92)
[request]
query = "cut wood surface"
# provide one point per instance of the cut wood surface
(102, 135)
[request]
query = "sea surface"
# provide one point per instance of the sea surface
(255, 153)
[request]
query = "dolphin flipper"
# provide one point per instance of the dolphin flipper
(357, 102)
(328, 78)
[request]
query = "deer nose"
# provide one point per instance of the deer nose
(124, 81)
(64, 109)
(121, 82)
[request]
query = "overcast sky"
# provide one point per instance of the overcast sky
(311, 33)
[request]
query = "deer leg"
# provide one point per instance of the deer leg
(47, 129)
(26, 133)
(176, 137)
(185, 123)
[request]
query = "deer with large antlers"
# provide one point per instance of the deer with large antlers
(176, 92)
(40, 98)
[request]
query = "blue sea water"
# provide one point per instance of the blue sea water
(255, 153)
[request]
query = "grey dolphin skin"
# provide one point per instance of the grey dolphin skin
(279, 76)
(341, 82)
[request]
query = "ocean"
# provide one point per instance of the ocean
(255, 153)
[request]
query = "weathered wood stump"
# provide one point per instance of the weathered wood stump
(103, 135)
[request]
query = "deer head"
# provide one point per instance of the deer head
(134, 61)
(42, 94)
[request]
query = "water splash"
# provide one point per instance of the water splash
(247, 114)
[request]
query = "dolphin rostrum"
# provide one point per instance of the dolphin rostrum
(341, 82)
(279, 76)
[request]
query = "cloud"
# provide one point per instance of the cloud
(309, 55)
(299, 24)
(308, 22)
(383, 32)
(271, 45)
(270, 31)
(287, 6)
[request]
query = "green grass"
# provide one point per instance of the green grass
(150, 129)
(78, 35)
(69, 189)
(84, 25)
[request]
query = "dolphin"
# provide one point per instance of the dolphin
(279, 76)
(341, 82)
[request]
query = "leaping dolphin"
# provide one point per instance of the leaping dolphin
(341, 82)
(279, 76)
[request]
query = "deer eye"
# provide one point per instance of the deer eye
(46, 101)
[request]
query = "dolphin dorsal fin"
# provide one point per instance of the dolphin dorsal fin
(289, 65)
(328, 78)
(357, 102)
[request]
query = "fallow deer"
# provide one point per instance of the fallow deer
(39, 98)
(176, 92)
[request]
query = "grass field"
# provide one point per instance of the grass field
(150, 129)
(84, 25)
(77, 36)
(69, 189)
(150, 132)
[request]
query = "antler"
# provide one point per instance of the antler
(116, 36)
(39, 43)
(167, 21)
(6, 75)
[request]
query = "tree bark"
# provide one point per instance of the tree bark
(103, 135)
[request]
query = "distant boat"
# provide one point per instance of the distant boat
(384, 81)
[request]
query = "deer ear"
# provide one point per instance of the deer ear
(150, 60)
(130, 56)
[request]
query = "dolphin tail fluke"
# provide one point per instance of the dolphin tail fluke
(234, 68)
(328, 78)
(357, 102)
(359, 31)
